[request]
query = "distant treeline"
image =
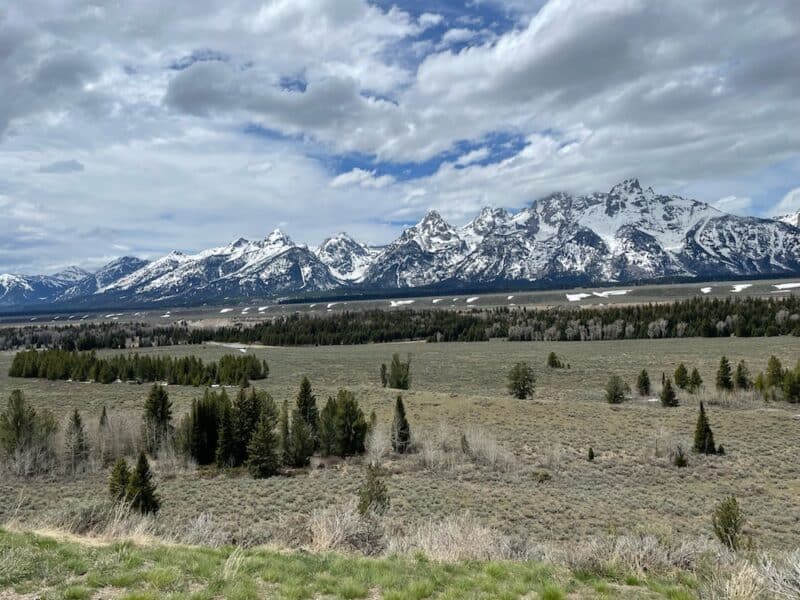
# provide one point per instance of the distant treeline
(86, 366)
(701, 317)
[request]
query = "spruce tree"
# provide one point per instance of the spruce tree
(157, 418)
(521, 381)
(400, 373)
(104, 440)
(591, 454)
(351, 426)
(247, 409)
(118, 480)
(373, 495)
(724, 379)
(703, 436)
(668, 397)
(774, 374)
(741, 378)
(682, 376)
(384, 376)
(141, 489)
(307, 405)
(262, 451)
(76, 446)
(327, 428)
(284, 437)
(643, 383)
(401, 431)
(695, 381)
(301, 445)
(226, 445)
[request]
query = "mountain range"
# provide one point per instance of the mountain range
(624, 235)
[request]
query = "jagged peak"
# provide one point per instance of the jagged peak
(278, 237)
(626, 187)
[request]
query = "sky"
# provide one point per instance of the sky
(138, 128)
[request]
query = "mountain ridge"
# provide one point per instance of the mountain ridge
(624, 235)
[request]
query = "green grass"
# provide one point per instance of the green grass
(31, 563)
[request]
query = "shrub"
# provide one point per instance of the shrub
(616, 389)
(728, 521)
(400, 373)
(679, 458)
(521, 381)
(554, 362)
(373, 495)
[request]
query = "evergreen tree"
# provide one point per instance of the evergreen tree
(226, 442)
(643, 383)
(703, 436)
(327, 428)
(724, 378)
(400, 373)
(679, 458)
(22, 428)
(284, 437)
(384, 376)
(668, 397)
(682, 376)
(104, 438)
(307, 405)
(76, 446)
(118, 481)
(302, 442)
(262, 451)
(246, 411)
(351, 426)
(741, 378)
(141, 489)
(591, 454)
(554, 362)
(401, 431)
(616, 390)
(695, 381)
(774, 374)
(521, 381)
(373, 495)
(157, 418)
(103, 418)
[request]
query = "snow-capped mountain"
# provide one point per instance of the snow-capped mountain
(792, 219)
(626, 234)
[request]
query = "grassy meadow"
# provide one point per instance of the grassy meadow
(547, 489)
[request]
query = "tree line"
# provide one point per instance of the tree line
(700, 317)
(55, 364)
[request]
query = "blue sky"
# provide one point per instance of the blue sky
(144, 127)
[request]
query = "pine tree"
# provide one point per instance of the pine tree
(327, 428)
(724, 379)
(157, 418)
(118, 480)
(401, 431)
(741, 378)
(521, 381)
(643, 383)
(682, 376)
(373, 495)
(703, 436)
(262, 451)
(668, 397)
(695, 381)
(384, 376)
(247, 410)
(141, 489)
(284, 436)
(226, 445)
(351, 426)
(301, 445)
(104, 440)
(616, 390)
(307, 405)
(76, 446)
(774, 374)
(591, 454)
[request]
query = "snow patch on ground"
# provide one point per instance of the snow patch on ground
(608, 293)
(787, 286)
(396, 303)
(332, 304)
(577, 297)
(262, 308)
(472, 299)
(740, 286)
(705, 290)
(436, 300)
(510, 298)
(225, 310)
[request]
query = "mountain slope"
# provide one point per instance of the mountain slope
(626, 234)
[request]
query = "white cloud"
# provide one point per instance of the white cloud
(734, 204)
(790, 203)
(427, 20)
(362, 178)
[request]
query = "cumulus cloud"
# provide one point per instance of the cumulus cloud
(183, 109)
(790, 203)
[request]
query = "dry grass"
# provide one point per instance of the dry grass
(460, 388)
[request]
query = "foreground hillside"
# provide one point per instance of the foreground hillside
(68, 567)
